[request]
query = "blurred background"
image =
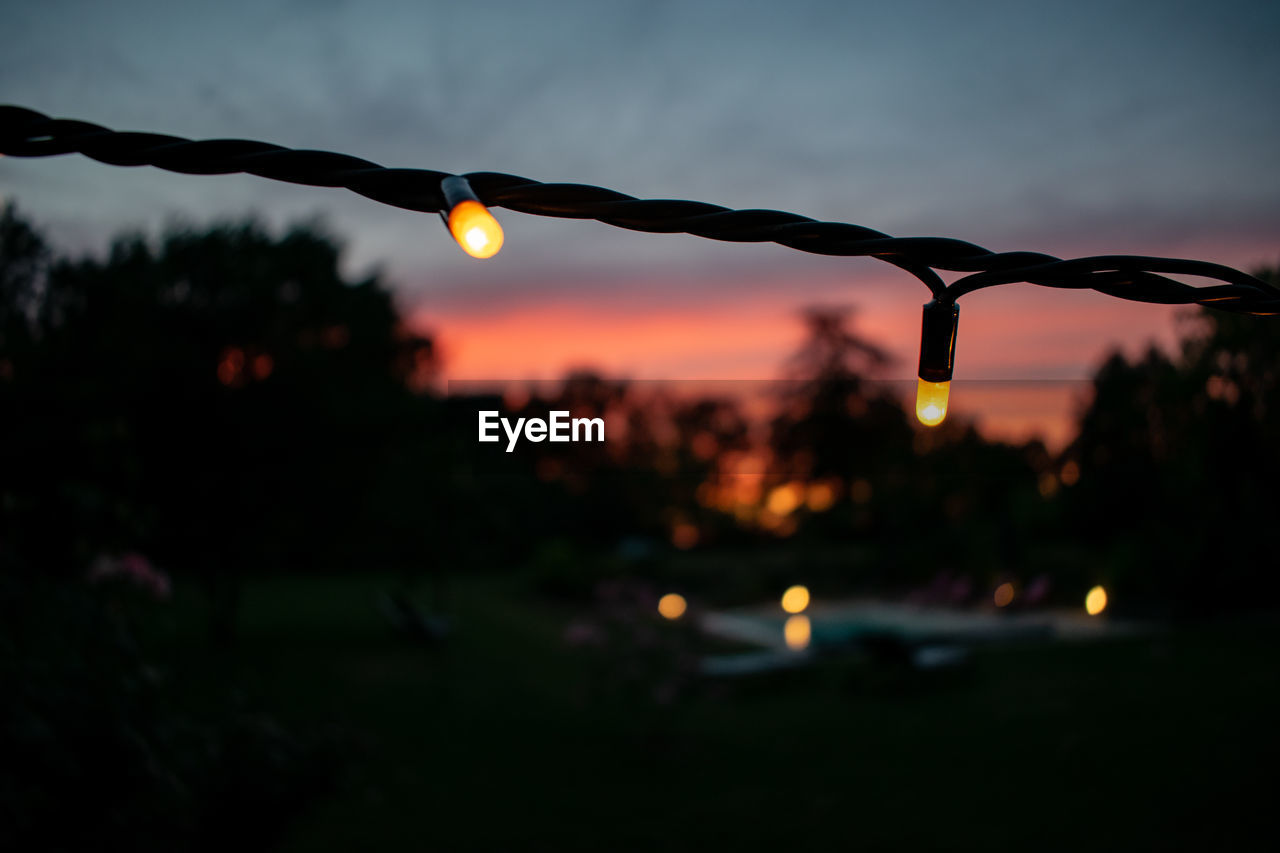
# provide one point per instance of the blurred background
(261, 586)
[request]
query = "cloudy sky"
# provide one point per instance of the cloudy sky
(1067, 127)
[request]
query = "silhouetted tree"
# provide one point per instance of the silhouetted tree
(224, 400)
(1178, 461)
(833, 420)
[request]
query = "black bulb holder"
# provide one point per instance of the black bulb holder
(455, 189)
(938, 340)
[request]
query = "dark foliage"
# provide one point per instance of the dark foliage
(105, 749)
(1178, 460)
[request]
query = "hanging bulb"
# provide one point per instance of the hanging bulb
(469, 221)
(937, 359)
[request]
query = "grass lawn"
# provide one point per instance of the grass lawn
(502, 740)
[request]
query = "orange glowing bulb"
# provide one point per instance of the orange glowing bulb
(475, 229)
(931, 401)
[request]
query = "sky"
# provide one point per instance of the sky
(1071, 128)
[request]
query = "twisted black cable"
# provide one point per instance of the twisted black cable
(27, 133)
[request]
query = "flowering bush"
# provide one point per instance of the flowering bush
(639, 657)
(132, 570)
(107, 747)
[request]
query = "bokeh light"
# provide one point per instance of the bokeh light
(798, 632)
(795, 599)
(672, 605)
(820, 497)
(785, 498)
(1096, 601)
(684, 535)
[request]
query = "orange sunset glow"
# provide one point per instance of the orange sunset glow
(1023, 356)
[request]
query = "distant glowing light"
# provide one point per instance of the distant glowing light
(931, 401)
(1048, 485)
(230, 366)
(1096, 601)
(797, 632)
(776, 524)
(672, 606)
(820, 497)
(684, 535)
(263, 365)
(785, 499)
(860, 491)
(795, 599)
(1070, 473)
(1004, 595)
(475, 229)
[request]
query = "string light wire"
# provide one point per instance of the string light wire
(28, 133)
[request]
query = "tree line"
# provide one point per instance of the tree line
(226, 401)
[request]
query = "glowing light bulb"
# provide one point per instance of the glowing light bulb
(475, 229)
(931, 401)
(937, 359)
(469, 221)
(795, 599)
(1096, 601)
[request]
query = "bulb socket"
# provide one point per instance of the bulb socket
(455, 190)
(938, 340)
